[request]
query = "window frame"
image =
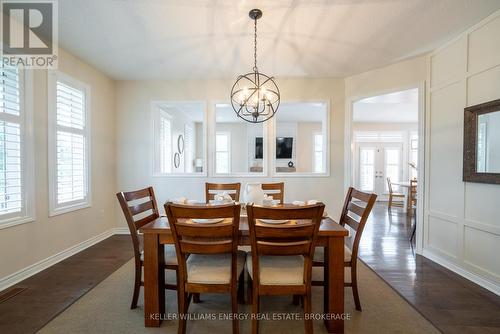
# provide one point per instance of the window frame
(314, 151)
(53, 76)
(27, 213)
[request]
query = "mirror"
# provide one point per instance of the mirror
(239, 145)
(301, 138)
(179, 138)
(488, 143)
(482, 143)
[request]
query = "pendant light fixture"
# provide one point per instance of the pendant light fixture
(255, 97)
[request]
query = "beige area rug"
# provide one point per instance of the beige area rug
(106, 309)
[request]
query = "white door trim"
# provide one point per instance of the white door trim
(349, 148)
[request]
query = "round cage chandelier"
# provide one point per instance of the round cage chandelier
(255, 97)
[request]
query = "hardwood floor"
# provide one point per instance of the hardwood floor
(452, 303)
(51, 291)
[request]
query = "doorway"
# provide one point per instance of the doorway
(385, 140)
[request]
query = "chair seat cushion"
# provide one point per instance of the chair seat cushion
(279, 270)
(319, 254)
(212, 269)
(170, 255)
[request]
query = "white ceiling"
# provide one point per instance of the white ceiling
(160, 39)
(397, 107)
(287, 112)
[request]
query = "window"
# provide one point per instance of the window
(69, 129)
(16, 159)
(392, 165)
(413, 156)
(222, 152)
(367, 168)
(318, 153)
(189, 148)
(165, 143)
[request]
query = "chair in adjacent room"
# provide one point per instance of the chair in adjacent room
(140, 208)
(394, 195)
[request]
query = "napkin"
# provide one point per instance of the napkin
(223, 197)
(299, 203)
(180, 200)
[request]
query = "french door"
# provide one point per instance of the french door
(375, 163)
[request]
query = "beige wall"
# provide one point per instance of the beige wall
(134, 136)
(462, 228)
(26, 244)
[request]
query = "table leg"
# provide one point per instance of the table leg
(154, 281)
(334, 285)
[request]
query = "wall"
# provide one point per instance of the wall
(26, 244)
(133, 137)
(462, 229)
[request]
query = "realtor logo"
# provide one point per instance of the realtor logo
(29, 33)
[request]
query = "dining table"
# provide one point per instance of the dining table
(157, 234)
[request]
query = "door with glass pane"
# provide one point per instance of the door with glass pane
(376, 162)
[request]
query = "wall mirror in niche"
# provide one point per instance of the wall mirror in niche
(481, 162)
(240, 146)
(179, 138)
(301, 139)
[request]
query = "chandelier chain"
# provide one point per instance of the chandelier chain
(255, 47)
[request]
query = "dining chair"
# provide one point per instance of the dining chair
(357, 208)
(140, 208)
(281, 259)
(413, 203)
(393, 195)
(207, 253)
(211, 189)
(276, 190)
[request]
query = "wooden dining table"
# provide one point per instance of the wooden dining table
(331, 236)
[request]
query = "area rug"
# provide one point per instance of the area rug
(106, 309)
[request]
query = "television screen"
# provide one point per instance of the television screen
(259, 148)
(284, 147)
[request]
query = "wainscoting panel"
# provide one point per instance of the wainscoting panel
(478, 247)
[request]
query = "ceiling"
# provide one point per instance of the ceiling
(287, 112)
(162, 39)
(397, 107)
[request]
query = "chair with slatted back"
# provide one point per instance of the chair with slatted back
(233, 189)
(281, 259)
(208, 256)
(140, 208)
(357, 208)
(393, 195)
(276, 190)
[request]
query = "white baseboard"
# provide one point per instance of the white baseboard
(462, 272)
(35, 268)
(121, 230)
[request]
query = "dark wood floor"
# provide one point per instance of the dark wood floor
(51, 291)
(452, 303)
